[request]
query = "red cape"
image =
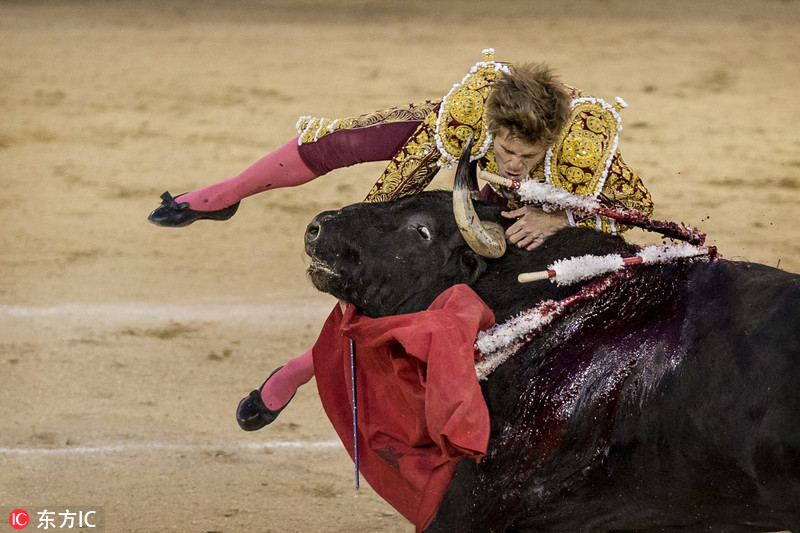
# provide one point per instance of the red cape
(420, 408)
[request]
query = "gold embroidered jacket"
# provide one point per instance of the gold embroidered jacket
(585, 160)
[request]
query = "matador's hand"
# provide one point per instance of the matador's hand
(533, 226)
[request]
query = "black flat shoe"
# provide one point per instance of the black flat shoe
(173, 214)
(252, 414)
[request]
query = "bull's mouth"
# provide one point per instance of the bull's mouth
(321, 268)
(324, 277)
(327, 279)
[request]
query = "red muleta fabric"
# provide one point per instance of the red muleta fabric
(420, 407)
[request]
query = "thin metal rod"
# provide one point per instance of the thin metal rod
(355, 411)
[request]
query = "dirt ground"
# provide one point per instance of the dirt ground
(125, 348)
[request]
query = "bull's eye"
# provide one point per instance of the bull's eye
(424, 232)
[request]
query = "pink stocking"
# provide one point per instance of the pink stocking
(281, 168)
(280, 388)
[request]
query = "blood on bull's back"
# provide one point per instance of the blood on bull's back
(668, 404)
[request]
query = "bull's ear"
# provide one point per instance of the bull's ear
(472, 266)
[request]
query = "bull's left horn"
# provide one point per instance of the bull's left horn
(485, 238)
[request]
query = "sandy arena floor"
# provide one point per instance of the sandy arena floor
(125, 348)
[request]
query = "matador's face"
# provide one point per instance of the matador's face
(515, 157)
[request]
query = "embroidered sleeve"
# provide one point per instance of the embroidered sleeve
(312, 129)
(327, 144)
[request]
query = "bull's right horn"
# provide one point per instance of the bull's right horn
(485, 238)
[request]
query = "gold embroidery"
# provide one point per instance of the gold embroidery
(441, 136)
(462, 112)
(467, 108)
(311, 129)
(594, 124)
(579, 160)
(412, 169)
(582, 149)
(489, 163)
(575, 175)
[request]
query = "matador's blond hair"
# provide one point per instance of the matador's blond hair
(531, 104)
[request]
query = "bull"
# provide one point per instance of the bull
(668, 403)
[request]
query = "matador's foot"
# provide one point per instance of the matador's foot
(252, 414)
(174, 214)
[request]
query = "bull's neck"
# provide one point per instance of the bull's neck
(506, 296)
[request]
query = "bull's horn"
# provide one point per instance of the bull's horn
(485, 238)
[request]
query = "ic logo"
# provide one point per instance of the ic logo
(18, 519)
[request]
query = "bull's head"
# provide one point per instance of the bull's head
(396, 257)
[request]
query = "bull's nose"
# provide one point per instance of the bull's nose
(314, 228)
(313, 231)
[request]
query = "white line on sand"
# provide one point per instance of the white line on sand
(171, 447)
(209, 312)
(90, 313)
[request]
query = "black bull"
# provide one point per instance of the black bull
(670, 402)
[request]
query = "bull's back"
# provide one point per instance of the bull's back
(724, 427)
(706, 431)
(742, 336)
